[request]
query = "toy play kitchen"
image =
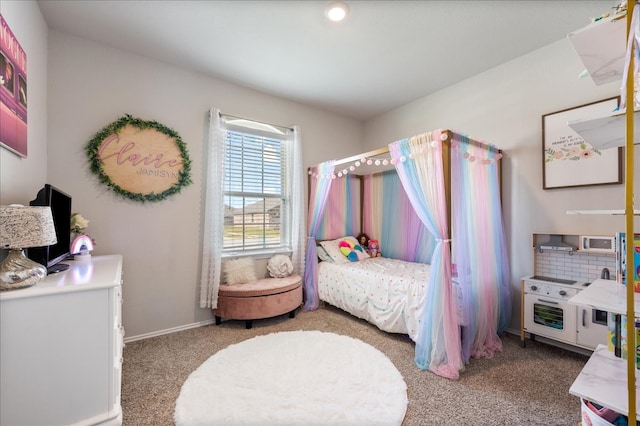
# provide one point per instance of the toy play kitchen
(563, 266)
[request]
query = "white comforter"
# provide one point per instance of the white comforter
(386, 292)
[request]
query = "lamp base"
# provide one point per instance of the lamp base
(17, 271)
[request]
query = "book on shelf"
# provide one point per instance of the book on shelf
(621, 260)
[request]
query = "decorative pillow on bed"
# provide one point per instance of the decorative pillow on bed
(239, 271)
(322, 254)
(351, 251)
(332, 249)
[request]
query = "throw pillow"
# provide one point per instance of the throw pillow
(239, 271)
(351, 251)
(280, 266)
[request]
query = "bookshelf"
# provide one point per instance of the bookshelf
(602, 47)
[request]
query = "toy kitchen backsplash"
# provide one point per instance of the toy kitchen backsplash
(574, 257)
(577, 265)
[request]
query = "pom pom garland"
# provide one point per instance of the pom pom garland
(488, 157)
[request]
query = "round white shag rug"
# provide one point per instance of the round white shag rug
(294, 378)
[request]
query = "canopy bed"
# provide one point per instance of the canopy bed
(444, 275)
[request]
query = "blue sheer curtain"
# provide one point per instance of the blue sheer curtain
(319, 189)
(418, 162)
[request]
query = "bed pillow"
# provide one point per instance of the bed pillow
(332, 249)
(322, 254)
(239, 271)
(351, 251)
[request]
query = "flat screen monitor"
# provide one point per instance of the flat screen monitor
(60, 203)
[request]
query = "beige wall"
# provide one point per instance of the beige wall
(92, 85)
(503, 106)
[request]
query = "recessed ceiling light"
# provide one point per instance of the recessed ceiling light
(337, 11)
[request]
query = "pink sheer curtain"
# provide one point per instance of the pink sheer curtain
(342, 212)
(484, 280)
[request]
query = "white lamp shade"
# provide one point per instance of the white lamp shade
(26, 226)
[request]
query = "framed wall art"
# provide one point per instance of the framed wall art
(569, 161)
(13, 92)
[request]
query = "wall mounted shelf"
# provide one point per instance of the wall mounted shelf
(602, 48)
(607, 132)
(619, 212)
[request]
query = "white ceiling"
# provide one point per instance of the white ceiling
(385, 54)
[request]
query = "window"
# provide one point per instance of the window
(256, 191)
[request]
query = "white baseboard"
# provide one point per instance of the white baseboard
(542, 339)
(512, 331)
(168, 331)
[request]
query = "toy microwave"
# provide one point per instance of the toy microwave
(600, 244)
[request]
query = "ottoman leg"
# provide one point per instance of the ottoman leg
(218, 320)
(292, 314)
(248, 324)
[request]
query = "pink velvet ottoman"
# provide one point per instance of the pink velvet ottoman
(265, 298)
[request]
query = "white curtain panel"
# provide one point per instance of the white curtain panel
(213, 229)
(298, 221)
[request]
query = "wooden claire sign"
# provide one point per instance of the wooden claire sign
(141, 160)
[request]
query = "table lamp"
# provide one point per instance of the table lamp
(22, 227)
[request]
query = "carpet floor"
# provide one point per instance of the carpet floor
(519, 386)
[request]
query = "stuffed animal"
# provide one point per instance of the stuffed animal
(374, 248)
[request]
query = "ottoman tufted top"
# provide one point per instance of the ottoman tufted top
(262, 287)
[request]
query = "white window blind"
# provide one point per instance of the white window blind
(256, 192)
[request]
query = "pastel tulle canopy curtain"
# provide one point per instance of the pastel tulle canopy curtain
(418, 161)
(342, 210)
(451, 334)
(389, 217)
(214, 206)
(321, 179)
(484, 280)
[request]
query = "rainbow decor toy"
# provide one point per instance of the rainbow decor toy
(82, 244)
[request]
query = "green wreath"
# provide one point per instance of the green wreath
(96, 165)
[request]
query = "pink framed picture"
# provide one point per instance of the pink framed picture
(13, 92)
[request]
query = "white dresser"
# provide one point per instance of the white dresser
(61, 347)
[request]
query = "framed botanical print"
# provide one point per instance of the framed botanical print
(567, 159)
